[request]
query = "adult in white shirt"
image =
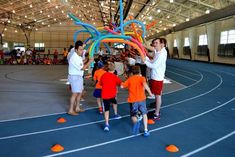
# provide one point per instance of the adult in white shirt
(75, 78)
(158, 68)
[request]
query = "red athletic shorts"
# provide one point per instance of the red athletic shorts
(156, 87)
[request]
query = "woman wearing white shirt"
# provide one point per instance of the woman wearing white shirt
(75, 78)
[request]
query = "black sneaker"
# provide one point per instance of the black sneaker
(156, 117)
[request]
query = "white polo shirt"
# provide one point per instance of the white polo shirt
(75, 65)
(158, 65)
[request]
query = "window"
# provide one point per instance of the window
(203, 40)
(227, 37)
(5, 45)
(186, 41)
(223, 37)
(231, 36)
(18, 44)
(175, 43)
(38, 44)
(119, 45)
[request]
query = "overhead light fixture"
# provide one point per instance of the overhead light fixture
(35, 20)
(54, 19)
(14, 11)
(62, 11)
(48, 15)
(3, 35)
(30, 5)
(8, 21)
(158, 10)
(29, 27)
(160, 21)
(36, 29)
(56, 7)
(150, 17)
(49, 26)
(187, 19)
(168, 17)
(25, 16)
(49, 1)
(164, 29)
(174, 24)
(40, 11)
(5, 29)
(60, 23)
(144, 22)
(207, 11)
(16, 31)
(171, 1)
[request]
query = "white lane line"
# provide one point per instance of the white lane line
(52, 130)
(128, 137)
(221, 81)
(181, 75)
(52, 114)
(74, 126)
(185, 71)
(208, 145)
(185, 86)
(46, 115)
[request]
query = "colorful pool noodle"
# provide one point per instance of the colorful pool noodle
(133, 21)
(126, 42)
(121, 17)
(132, 39)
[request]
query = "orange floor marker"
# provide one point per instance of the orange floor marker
(57, 148)
(61, 120)
(172, 148)
(150, 121)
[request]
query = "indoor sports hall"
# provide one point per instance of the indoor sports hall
(117, 78)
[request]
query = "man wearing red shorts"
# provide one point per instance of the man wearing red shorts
(158, 68)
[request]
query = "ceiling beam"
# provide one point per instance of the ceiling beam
(204, 4)
(216, 15)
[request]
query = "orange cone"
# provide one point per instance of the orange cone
(172, 148)
(150, 121)
(57, 148)
(61, 120)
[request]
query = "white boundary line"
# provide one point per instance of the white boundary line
(185, 71)
(84, 124)
(208, 145)
(153, 130)
(182, 75)
(45, 115)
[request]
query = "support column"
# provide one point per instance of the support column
(193, 42)
(180, 43)
(210, 28)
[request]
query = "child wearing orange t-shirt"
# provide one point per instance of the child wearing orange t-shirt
(136, 85)
(98, 87)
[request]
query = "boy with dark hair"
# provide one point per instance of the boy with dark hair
(136, 85)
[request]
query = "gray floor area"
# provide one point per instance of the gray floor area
(35, 90)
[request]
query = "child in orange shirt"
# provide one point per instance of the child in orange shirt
(136, 85)
(98, 87)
